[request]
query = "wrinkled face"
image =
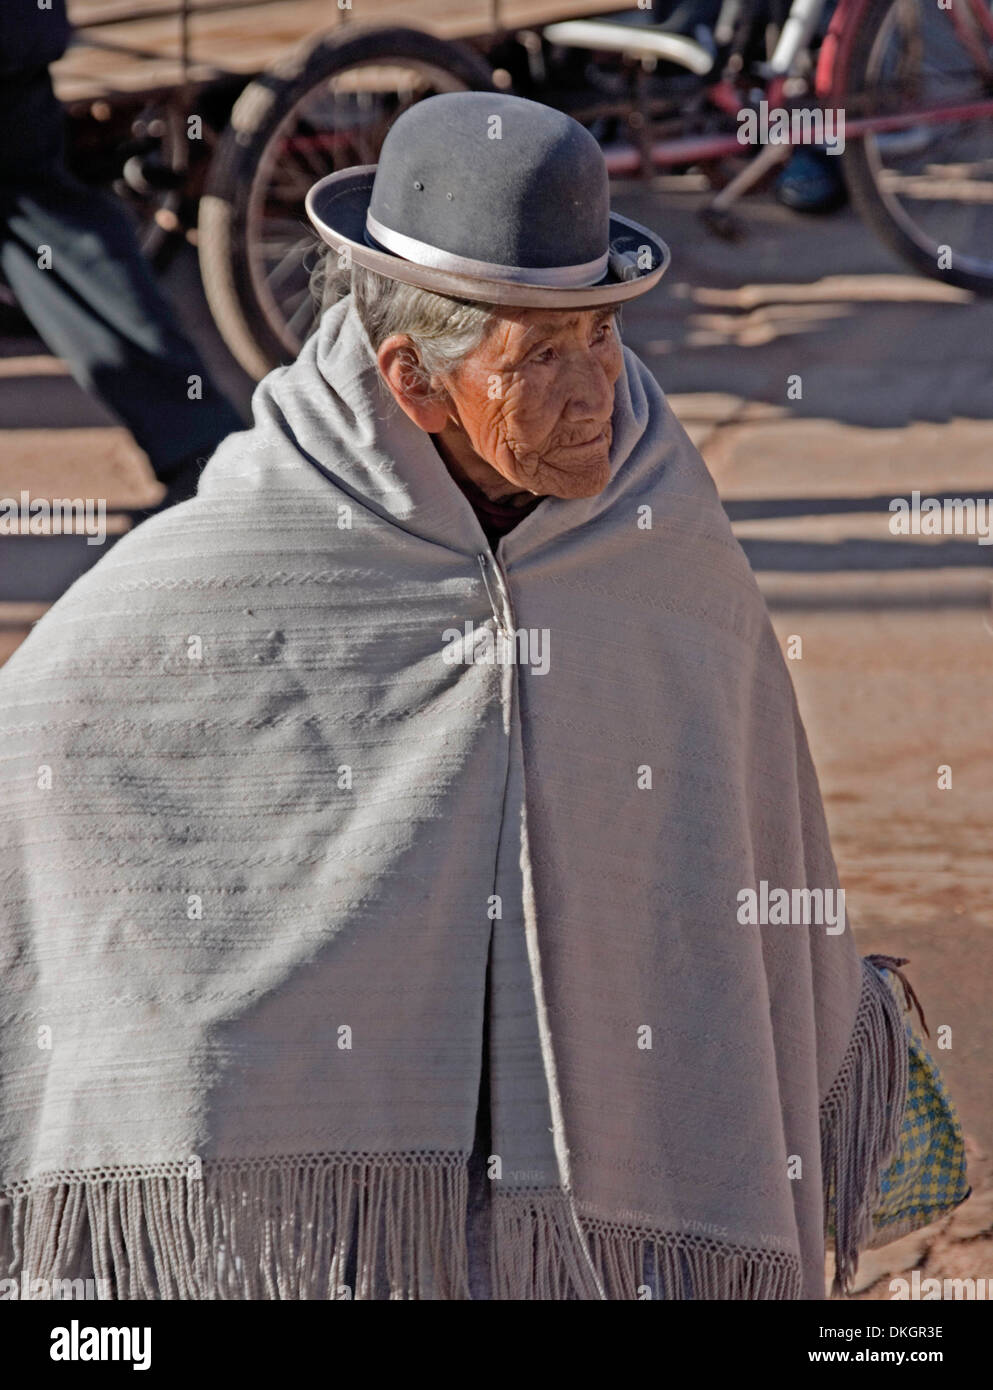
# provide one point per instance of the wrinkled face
(535, 399)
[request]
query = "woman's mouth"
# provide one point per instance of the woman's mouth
(588, 443)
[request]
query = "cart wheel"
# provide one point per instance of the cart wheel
(325, 107)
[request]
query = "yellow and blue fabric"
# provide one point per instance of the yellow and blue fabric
(927, 1177)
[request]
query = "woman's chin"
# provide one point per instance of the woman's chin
(568, 475)
(580, 480)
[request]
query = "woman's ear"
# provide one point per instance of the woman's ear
(398, 363)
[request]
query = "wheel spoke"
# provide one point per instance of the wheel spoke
(934, 179)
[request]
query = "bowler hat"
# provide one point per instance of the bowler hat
(491, 197)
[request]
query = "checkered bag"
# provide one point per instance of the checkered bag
(927, 1178)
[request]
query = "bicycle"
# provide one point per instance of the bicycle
(912, 79)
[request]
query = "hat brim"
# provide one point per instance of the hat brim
(337, 207)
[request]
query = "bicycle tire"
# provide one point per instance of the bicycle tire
(867, 200)
(255, 119)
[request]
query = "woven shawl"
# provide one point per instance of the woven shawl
(271, 858)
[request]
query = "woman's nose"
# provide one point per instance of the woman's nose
(591, 392)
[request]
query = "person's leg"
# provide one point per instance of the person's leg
(91, 295)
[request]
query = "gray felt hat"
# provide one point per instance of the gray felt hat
(491, 197)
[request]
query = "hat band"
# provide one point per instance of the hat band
(422, 253)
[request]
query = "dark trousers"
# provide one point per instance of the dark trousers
(98, 306)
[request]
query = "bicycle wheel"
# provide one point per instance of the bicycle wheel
(326, 107)
(924, 184)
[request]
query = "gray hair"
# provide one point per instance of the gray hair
(444, 330)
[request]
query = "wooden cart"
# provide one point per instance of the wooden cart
(218, 116)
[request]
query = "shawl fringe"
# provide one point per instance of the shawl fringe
(861, 1119)
(354, 1228)
(280, 1229)
(533, 1259)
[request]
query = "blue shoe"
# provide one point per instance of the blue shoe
(812, 182)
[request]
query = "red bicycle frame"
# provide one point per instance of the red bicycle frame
(970, 18)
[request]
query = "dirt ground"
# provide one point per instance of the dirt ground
(896, 672)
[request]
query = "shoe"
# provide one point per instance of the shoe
(812, 182)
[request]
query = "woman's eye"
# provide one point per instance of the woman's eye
(549, 354)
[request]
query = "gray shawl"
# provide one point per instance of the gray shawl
(280, 833)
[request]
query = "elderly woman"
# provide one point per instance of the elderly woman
(416, 880)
